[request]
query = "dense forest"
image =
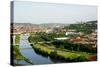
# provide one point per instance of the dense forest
(85, 27)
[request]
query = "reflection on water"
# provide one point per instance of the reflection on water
(21, 62)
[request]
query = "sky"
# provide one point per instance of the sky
(37, 13)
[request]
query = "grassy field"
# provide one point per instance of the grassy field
(62, 54)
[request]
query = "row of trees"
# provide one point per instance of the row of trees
(42, 36)
(74, 47)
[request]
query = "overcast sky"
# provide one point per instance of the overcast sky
(32, 12)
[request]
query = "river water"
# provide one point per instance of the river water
(28, 52)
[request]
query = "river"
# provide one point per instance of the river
(28, 52)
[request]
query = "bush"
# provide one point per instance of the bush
(17, 39)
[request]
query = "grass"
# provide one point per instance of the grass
(67, 54)
(17, 39)
(62, 53)
(43, 48)
(72, 55)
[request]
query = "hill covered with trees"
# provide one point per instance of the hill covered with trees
(85, 27)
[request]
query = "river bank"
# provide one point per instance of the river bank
(18, 57)
(58, 54)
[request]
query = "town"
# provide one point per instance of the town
(61, 42)
(83, 36)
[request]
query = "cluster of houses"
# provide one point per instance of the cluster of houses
(89, 39)
(20, 30)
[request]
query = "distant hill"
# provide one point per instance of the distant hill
(53, 25)
(44, 25)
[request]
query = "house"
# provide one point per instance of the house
(62, 38)
(77, 39)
